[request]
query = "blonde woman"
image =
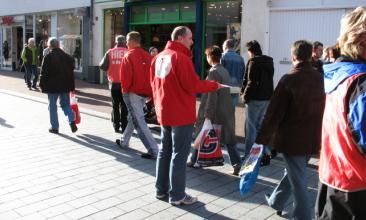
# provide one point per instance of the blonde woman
(342, 173)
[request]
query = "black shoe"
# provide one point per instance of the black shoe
(35, 87)
(236, 170)
(265, 160)
(273, 154)
(117, 130)
(30, 88)
(73, 127)
(148, 156)
(54, 131)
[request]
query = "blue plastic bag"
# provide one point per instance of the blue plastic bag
(250, 169)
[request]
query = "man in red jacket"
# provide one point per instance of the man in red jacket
(111, 63)
(175, 83)
(135, 88)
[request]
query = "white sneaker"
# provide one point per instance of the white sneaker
(187, 200)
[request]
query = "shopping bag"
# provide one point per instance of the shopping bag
(75, 108)
(250, 169)
(209, 148)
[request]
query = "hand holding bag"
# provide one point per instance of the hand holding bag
(250, 169)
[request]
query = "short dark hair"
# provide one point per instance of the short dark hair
(230, 43)
(134, 36)
(254, 47)
(317, 44)
(214, 52)
(179, 31)
(302, 50)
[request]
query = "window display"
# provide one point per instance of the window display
(69, 30)
(113, 26)
(223, 21)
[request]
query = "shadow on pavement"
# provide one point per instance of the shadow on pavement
(4, 124)
(205, 181)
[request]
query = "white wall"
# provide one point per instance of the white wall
(255, 24)
(318, 3)
(98, 29)
(14, 7)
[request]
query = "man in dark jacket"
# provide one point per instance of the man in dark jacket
(57, 80)
(316, 56)
(292, 126)
(257, 89)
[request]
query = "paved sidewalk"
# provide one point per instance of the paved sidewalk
(91, 96)
(86, 176)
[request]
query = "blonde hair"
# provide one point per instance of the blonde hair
(353, 27)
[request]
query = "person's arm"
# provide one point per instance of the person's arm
(357, 114)
(23, 56)
(210, 107)
(249, 81)
(126, 73)
(44, 72)
(104, 63)
(275, 113)
(190, 81)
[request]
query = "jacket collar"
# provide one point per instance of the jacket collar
(303, 65)
(176, 46)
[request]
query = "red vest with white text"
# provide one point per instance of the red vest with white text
(115, 56)
(341, 165)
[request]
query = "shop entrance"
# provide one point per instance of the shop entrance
(158, 35)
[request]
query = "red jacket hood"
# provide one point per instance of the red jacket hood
(176, 46)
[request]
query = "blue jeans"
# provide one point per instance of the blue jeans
(254, 114)
(293, 184)
(136, 120)
(29, 72)
(65, 105)
(172, 159)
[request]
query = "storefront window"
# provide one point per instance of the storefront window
(6, 48)
(69, 30)
(28, 27)
(113, 26)
(223, 21)
(43, 30)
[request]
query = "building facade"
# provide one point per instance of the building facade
(212, 22)
(69, 21)
(276, 24)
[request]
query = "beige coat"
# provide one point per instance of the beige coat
(217, 106)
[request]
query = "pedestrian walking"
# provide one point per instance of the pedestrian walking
(111, 63)
(174, 84)
(234, 64)
(316, 56)
(136, 88)
(29, 57)
(256, 90)
(292, 125)
(342, 173)
(217, 107)
(57, 80)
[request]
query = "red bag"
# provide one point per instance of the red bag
(74, 107)
(209, 148)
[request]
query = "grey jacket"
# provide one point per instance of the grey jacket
(217, 106)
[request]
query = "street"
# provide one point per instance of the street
(86, 176)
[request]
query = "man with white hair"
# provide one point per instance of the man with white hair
(29, 57)
(57, 80)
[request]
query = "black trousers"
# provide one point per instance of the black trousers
(334, 204)
(119, 109)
